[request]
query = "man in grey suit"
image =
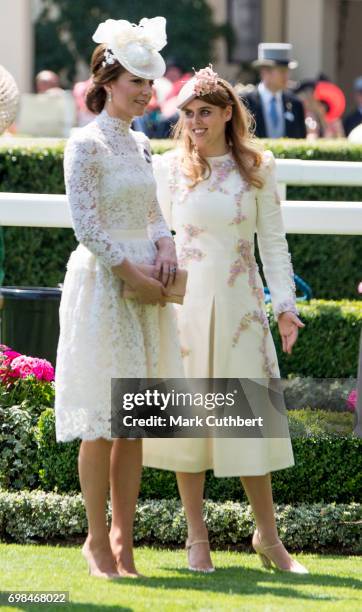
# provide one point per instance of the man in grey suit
(277, 112)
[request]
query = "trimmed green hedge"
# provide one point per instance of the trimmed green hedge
(295, 148)
(328, 465)
(29, 517)
(18, 453)
(34, 256)
(58, 463)
(328, 346)
(326, 469)
(330, 264)
(20, 409)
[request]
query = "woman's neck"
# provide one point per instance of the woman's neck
(115, 114)
(214, 149)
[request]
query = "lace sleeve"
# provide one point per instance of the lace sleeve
(156, 224)
(273, 246)
(161, 172)
(81, 174)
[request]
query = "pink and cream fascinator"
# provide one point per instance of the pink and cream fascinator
(204, 82)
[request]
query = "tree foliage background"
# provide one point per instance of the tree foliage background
(64, 29)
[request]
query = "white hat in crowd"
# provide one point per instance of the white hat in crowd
(136, 47)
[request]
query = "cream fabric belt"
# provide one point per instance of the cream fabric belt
(128, 234)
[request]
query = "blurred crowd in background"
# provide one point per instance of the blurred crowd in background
(53, 111)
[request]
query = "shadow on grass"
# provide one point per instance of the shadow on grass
(239, 580)
(230, 580)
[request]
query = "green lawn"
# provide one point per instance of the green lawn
(239, 583)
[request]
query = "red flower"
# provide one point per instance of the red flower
(352, 401)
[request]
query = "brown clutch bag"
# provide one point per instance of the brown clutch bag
(176, 291)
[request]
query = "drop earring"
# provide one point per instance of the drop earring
(109, 97)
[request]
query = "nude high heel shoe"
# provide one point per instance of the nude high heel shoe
(268, 562)
(188, 546)
(96, 573)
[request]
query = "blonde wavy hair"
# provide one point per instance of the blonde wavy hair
(244, 147)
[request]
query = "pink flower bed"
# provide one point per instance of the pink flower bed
(13, 365)
(352, 401)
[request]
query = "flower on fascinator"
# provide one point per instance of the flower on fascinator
(206, 81)
(108, 58)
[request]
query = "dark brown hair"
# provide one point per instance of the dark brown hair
(101, 75)
(245, 149)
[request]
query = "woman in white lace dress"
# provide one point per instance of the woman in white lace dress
(117, 220)
(217, 191)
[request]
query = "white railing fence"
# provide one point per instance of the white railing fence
(300, 217)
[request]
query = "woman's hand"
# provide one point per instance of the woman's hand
(166, 261)
(288, 324)
(150, 291)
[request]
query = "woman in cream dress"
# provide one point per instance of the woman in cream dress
(117, 220)
(216, 191)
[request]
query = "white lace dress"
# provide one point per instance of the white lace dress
(115, 214)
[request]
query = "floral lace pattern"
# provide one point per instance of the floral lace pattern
(101, 155)
(258, 316)
(102, 335)
(286, 306)
(187, 254)
(191, 231)
(177, 183)
(236, 268)
(246, 262)
(221, 170)
(239, 217)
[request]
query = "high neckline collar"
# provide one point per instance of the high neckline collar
(120, 125)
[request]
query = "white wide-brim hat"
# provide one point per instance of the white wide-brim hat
(136, 47)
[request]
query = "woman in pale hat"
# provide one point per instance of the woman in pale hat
(216, 191)
(117, 220)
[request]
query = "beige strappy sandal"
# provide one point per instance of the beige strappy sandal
(188, 546)
(268, 563)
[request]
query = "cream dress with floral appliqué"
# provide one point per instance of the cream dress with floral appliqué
(115, 213)
(223, 326)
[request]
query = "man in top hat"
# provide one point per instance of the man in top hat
(277, 112)
(355, 118)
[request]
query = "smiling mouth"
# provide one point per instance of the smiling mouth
(143, 102)
(199, 131)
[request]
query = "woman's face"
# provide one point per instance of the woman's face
(130, 96)
(205, 123)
